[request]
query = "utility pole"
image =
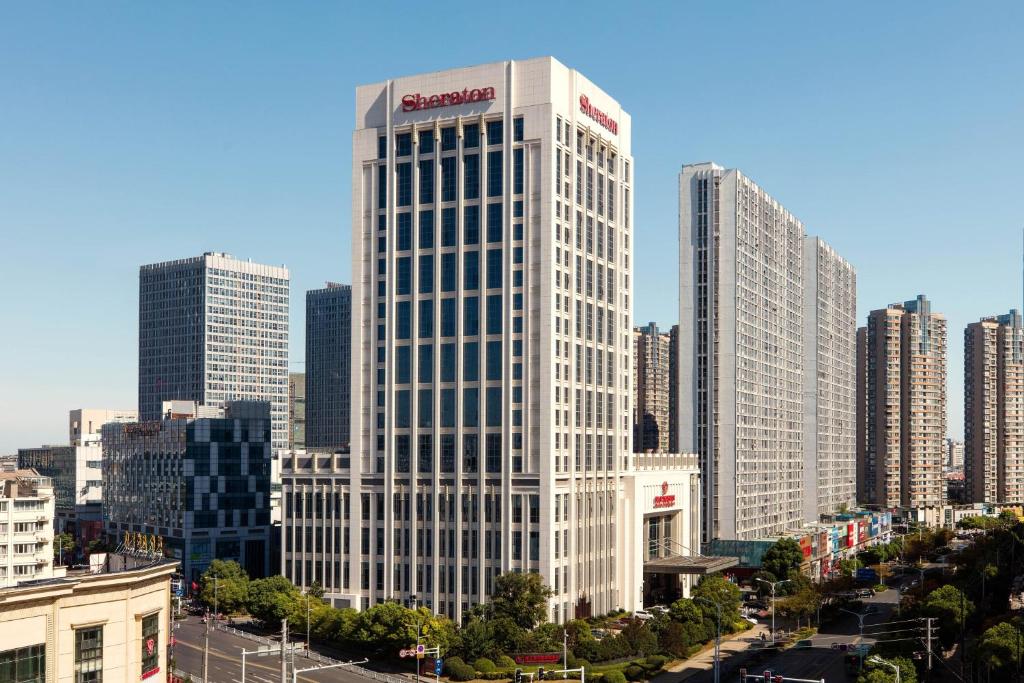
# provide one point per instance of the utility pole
(206, 649)
(565, 651)
(928, 646)
(284, 651)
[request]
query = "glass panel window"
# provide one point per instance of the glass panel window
(23, 665)
(471, 135)
(517, 171)
(471, 362)
(448, 139)
(426, 141)
(88, 655)
(517, 129)
(471, 269)
(470, 316)
(449, 272)
(403, 144)
(427, 229)
(495, 130)
(471, 225)
(495, 215)
(449, 236)
(494, 262)
(404, 184)
(404, 226)
(494, 173)
(449, 181)
(426, 182)
(494, 313)
(448, 317)
(471, 176)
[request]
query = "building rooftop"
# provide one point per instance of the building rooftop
(24, 483)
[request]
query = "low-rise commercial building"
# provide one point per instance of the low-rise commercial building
(26, 528)
(110, 625)
(199, 477)
(77, 477)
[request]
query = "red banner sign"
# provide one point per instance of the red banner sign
(417, 101)
(538, 658)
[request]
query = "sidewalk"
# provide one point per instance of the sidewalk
(704, 660)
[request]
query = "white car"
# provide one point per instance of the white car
(643, 615)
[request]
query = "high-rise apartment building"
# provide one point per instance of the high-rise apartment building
(328, 366)
(673, 389)
(903, 406)
(993, 448)
(741, 369)
(492, 246)
(26, 528)
(955, 454)
(214, 329)
(830, 389)
(199, 477)
(651, 389)
(296, 410)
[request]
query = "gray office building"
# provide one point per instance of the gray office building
(199, 477)
(328, 366)
(214, 329)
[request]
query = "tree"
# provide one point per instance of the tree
(230, 590)
(272, 599)
(476, 639)
(880, 673)
(801, 605)
(64, 544)
(717, 589)
(1001, 646)
(521, 597)
(951, 608)
(782, 557)
(386, 626)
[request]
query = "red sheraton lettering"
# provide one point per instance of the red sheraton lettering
(664, 501)
(593, 112)
(417, 101)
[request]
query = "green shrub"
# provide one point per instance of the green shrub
(458, 670)
(582, 664)
(495, 676)
(635, 672)
(880, 587)
(691, 651)
(571, 661)
(484, 665)
(505, 662)
(655, 662)
(614, 677)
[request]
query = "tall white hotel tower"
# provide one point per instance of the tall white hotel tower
(491, 242)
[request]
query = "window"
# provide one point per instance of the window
(471, 361)
(495, 129)
(471, 176)
(448, 228)
(89, 655)
(403, 364)
(426, 274)
(517, 129)
(494, 173)
(404, 242)
(449, 272)
(471, 269)
(493, 360)
(447, 417)
(426, 182)
(24, 665)
(426, 141)
(425, 363)
(494, 220)
(448, 317)
(403, 284)
(382, 147)
(471, 225)
(403, 403)
(448, 139)
(493, 408)
(427, 229)
(403, 330)
(517, 171)
(448, 179)
(403, 144)
(470, 407)
(382, 187)
(494, 260)
(471, 135)
(494, 313)
(404, 184)
(150, 644)
(447, 362)
(470, 316)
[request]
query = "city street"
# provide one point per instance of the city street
(817, 662)
(226, 659)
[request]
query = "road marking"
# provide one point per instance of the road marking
(237, 661)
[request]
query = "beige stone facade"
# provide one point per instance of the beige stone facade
(116, 623)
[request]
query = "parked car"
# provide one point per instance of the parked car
(866, 593)
(803, 644)
(643, 615)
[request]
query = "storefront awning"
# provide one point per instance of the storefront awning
(689, 564)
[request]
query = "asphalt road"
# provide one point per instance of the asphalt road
(226, 659)
(818, 662)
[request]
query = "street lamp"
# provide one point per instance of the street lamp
(773, 585)
(718, 633)
(860, 619)
(875, 659)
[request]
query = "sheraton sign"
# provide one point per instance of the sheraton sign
(664, 500)
(416, 101)
(593, 112)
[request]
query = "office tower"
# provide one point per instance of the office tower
(328, 366)
(492, 238)
(651, 352)
(296, 410)
(84, 424)
(26, 527)
(993, 448)
(830, 388)
(955, 451)
(199, 477)
(673, 389)
(214, 329)
(741, 370)
(904, 406)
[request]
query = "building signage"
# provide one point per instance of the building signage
(416, 101)
(143, 428)
(593, 112)
(664, 500)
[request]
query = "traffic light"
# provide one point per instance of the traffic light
(540, 673)
(518, 677)
(768, 676)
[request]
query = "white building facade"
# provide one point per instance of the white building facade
(492, 240)
(830, 387)
(26, 528)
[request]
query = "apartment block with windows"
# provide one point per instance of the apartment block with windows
(328, 366)
(214, 329)
(830, 390)
(26, 527)
(652, 389)
(492, 246)
(903, 398)
(993, 448)
(741, 352)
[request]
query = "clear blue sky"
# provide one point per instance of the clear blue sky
(139, 132)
